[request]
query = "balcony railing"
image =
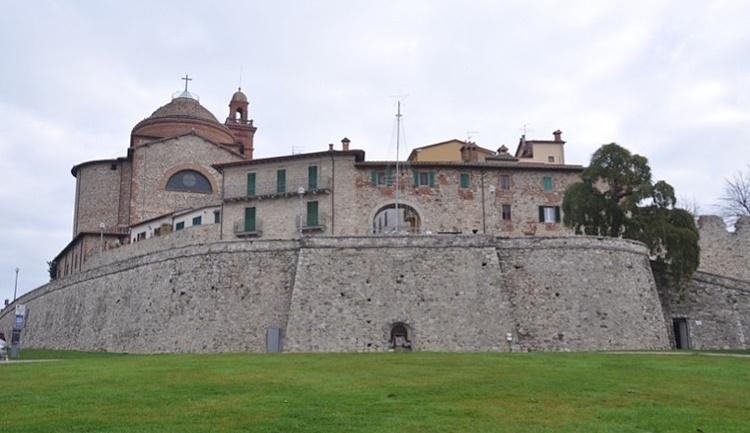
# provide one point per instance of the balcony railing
(265, 190)
(240, 229)
(308, 226)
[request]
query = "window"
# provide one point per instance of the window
(189, 181)
(549, 214)
(547, 183)
(140, 236)
(180, 225)
(506, 212)
(312, 213)
(424, 178)
(250, 184)
(312, 177)
(281, 181)
(217, 217)
(249, 219)
(505, 182)
(550, 159)
(381, 178)
(465, 180)
(197, 221)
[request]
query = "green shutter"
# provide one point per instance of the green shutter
(547, 183)
(431, 175)
(281, 181)
(541, 214)
(557, 214)
(249, 219)
(416, 178)
(312, 213)
(374, 175)
(389, 177)
(312, 177)
(465, 180)
(251, 184)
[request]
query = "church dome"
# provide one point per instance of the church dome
(180, 116)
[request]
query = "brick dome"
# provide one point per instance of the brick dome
(180, 116)
(239, 96)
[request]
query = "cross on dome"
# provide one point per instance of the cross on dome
(185, 93)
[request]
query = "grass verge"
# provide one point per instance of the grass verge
(384, 392)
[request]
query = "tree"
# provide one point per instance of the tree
(735, 202)
(52, 270)
(618, 198)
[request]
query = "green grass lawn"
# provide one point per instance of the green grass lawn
(386, 392)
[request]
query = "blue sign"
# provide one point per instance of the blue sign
(19, 322)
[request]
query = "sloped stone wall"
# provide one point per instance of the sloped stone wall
(453, 293)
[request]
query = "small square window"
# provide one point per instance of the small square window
(547, 183)
(506, 212)
(197, 221)
(424, 178)
(549, 214)
(465, 180)
(180, 225)
(550, 159)
(505, 182)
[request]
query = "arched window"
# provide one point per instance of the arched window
(189, 181)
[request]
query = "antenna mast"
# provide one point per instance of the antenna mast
(398, 174)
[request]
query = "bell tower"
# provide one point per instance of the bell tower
(240, 125)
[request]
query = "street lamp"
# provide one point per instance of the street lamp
(101, 235)
(494, 218)
(15, 288)
(301, 192)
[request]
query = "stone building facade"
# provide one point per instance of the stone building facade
(187, 243)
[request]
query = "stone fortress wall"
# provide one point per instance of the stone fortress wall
(190, 292)
(716, 306)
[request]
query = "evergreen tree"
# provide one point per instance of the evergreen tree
(617, 198)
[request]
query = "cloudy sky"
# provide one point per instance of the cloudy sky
(667, 79)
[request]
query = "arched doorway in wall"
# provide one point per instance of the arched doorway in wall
(399, 337)
(391, 220)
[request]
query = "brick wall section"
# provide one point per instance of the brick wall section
(457, 293)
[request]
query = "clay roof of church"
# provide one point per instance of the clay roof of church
(239, 96)
(183, 108)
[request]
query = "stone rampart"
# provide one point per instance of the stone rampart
(723, 252)
(453, 293)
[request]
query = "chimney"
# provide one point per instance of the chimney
(557, 135)
(469, 152)
(345, 144)
(330, 147)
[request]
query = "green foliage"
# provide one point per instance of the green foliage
(377, 392)
(52, 270)
(617, 198)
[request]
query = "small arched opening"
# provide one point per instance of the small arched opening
(238, 114)
(391, 220)
(400, 338)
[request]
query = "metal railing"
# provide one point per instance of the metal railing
(271, 189)
(240, 228)
(304, 225)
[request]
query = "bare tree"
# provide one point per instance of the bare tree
(736, 199)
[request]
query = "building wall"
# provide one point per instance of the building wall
(723, 252)
(343, 294)
(97, 196)
(154, 163)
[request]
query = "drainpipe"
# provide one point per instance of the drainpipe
(333, 194)
(484, 222)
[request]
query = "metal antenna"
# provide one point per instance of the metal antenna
(240, 86)
(400, 97)
(469, 135)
